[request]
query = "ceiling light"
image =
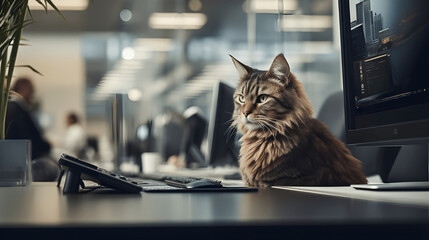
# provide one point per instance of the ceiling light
(63, 5)
(125, 15)
(134, 94)
(128, 53)
(309, 47)
(195, 5)
(177, 20)
(155, 44)
(272, 6)
(136, 63)
(129, 64)
(305, 23)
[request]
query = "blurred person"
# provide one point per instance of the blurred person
(20, 124)
(75, 137)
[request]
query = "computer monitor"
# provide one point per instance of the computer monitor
(223, 145)
(168, 131)
(385, 56)
(193, 136)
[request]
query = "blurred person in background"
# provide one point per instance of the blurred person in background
(75, 137)
(20, 124)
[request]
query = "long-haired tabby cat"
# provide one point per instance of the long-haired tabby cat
(282, 144)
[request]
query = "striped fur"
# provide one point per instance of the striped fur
(282, 144)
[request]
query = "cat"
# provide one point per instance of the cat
(281, 143)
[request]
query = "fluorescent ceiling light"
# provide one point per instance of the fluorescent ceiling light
(309, 47)
(122, 71)
(129, 64)
(62, 5)
(154, 44)
(123, 62)
(272, 6)
(305, 23)
(177, 20)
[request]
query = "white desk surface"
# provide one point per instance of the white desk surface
(410, 198)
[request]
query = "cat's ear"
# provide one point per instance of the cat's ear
(280, 69)
(242, 69)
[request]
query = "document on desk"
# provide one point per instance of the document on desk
(410, 198)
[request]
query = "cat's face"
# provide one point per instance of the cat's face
(264, 99)
(259, 102)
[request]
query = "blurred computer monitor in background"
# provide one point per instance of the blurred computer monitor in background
(223, 146)
(167, 133)
(193, 136)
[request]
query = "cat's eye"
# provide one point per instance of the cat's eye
(240, 98)
(262, 98)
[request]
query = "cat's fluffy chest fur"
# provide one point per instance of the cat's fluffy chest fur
(281, 143)
(258, 156)
(259, 151)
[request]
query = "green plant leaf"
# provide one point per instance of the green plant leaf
(13, 18)
(56, 9)
(30, 67)
(29, 12)
(45, 6)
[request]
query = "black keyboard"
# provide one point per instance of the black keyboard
(77, 170)
(185, 181)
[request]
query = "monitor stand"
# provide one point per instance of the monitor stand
(415, 155)
(194, 158)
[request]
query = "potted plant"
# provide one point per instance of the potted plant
(13, 18)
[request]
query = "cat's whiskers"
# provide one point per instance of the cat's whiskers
(264, 127)
(229, 122)
(270, 126)
(280, 124)
(273, 123)
(261, 126)
(269, 123)
(230, 132)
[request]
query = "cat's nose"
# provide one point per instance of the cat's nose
(247, 113)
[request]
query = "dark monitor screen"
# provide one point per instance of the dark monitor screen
(222, 140)
(193, 135)
(385, 57)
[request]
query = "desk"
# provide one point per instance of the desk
(41, 209)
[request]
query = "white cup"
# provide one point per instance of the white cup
(150, 162)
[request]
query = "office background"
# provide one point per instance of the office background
(163, 56)
(112, 53)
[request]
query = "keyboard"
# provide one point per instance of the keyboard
(185, 181)
(77, 170)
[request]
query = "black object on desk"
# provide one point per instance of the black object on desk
(187, 184)
(184, 182)
(77, 170)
